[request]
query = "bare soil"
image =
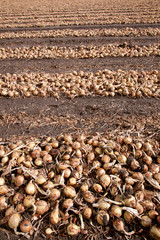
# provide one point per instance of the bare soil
(86, 26)
(43, 117)
(77, 41)
(68, 65)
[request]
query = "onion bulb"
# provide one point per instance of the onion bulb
(26, 225)
(102, 218)
(118, 225)
(155, 232)
(3, 203)
(41, 207)
(19, 180)
(116, 210)
(146, 221)
(3, 190)
(14, 221)
(87, 212)
(89, 197)
(105, 180)
(2, 181)
(54, 216)
(30, 188)
(55, 194)
(28, 201)
(69, 192)
(73, 229)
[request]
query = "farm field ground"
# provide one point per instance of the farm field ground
(80, 119)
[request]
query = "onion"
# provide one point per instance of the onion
(54, 216)
(89, 197)
(18, 197)
(152, 214)
(130, 201)
(28, 201)
(102, 204)
(10, 211)
(55, 194)
(48, 185)
(73, 229)
(128, 217)
(100, 172)
(102, 218)
(3, 203)
(118, 225)
(69, 191)
(2, 181)
(105, 159)
(30, 188)
(40, 180)
(3, 190)
(20, 208)
(47, 158)
(19, 180)
(97, 188)
(41, 207)
(48, 231)
(87, 212)
(72, 181)
(127, 140)
(68, 203)
(122, 159)
(84, 187)
(14, 221)
(26, 226)
(116, 211)
(155, 232)
(146, 221)
(90, 157)
(105, 180)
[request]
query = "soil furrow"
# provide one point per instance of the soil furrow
(68, 65)
(95, 26)
(76, 41)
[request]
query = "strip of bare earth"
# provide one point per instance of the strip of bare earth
(107, 26)
(40, 117)
(77, 41)
(68, 65)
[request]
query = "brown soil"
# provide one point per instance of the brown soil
(42, 117)
(95, 26)
(68, 65)
(77, 41)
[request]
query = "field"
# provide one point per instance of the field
(80, 119)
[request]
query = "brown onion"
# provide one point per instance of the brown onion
(41, 207)
(26, 225)
(103, 218)
(14, 221)
(73, 229)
